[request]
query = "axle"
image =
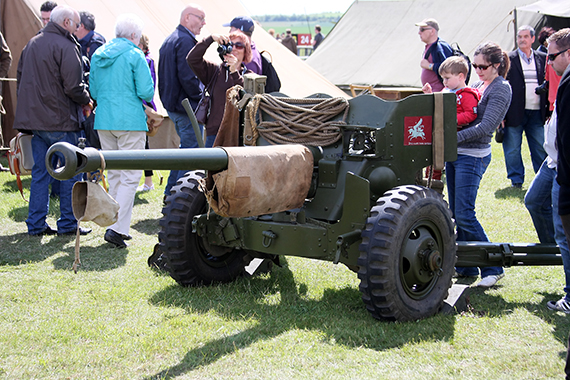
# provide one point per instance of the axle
(487, 254)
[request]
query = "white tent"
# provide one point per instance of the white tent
(376, 41)
(557, 8)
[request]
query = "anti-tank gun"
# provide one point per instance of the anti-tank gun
(352, 199)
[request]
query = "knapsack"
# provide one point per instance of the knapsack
(273, 84)
(21, 158)
(457, 52)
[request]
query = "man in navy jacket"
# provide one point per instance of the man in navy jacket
(176, 81)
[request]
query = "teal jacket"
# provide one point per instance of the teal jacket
(119, 81)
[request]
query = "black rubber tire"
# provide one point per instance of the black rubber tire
(189, 262)
(397, 281)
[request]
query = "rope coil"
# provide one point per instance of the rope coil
(307, 121)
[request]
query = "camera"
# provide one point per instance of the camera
(225, 49)
(542, 89)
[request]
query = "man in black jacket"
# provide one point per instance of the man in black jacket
(559, 59)
(52, 99)
(527, 112)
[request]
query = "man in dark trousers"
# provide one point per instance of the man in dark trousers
(559, 59)
(52, 109)
(176, 81)
(527, 112)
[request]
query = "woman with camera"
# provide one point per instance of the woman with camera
(235, 51)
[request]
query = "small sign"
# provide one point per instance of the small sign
(304, 39)
(417, 130)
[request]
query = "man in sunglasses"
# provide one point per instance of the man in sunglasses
(559, 59)
(528, 110)
(246, 25)
(435, 52)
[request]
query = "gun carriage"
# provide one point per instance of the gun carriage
(349, 196)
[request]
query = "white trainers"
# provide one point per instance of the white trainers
(560, 305)
(145, 187)
(487, 282)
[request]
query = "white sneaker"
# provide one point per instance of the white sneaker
(487, 282)
(560, 305)
(145, 187)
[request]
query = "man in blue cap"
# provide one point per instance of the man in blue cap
(246, 25)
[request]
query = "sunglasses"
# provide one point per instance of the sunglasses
(481, 67)
(238, 45)
(552, 57)
(424, 29)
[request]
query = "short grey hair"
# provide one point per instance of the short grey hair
(127, 24)
(527, 27)
(61, 12)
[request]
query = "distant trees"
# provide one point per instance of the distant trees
(320, 17)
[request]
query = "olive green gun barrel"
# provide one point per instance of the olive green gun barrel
(77, 160)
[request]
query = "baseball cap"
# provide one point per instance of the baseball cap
(243, 23)
(429, 22)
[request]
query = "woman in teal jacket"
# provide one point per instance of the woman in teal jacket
(119, 81)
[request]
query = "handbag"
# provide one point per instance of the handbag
(21, 158)
(153, 120)
(500, 133)
(204, 105)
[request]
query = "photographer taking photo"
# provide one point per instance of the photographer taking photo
(234, 51)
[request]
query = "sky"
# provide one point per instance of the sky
(289, 7)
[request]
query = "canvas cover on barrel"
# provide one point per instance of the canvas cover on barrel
(262, 180)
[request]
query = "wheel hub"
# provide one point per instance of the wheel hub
(421, 262)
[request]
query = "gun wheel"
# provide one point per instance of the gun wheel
(191, 260)
(407, 254)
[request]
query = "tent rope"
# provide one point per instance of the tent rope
(306, 121)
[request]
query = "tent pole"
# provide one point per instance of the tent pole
(516, 27)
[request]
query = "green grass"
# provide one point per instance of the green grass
(118, 319)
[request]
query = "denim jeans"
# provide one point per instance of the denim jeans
(463, 178)
(39, 191)
(533, 128)
(187, 140)
(560, 237)
(538, 201)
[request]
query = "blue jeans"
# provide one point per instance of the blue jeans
(534, 130)
(39, 191)
(463, 178)
(538, 201)
(187, 140)
(560, 237)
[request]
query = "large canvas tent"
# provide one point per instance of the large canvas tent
(20, 21)
(379, 41)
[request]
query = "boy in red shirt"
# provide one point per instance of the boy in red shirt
(454, 71)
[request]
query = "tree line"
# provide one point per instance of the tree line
(321, 17)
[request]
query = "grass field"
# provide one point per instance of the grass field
(118, 319)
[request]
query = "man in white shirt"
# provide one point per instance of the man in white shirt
(527, 112)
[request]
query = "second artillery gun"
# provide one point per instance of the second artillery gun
(362, 205)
